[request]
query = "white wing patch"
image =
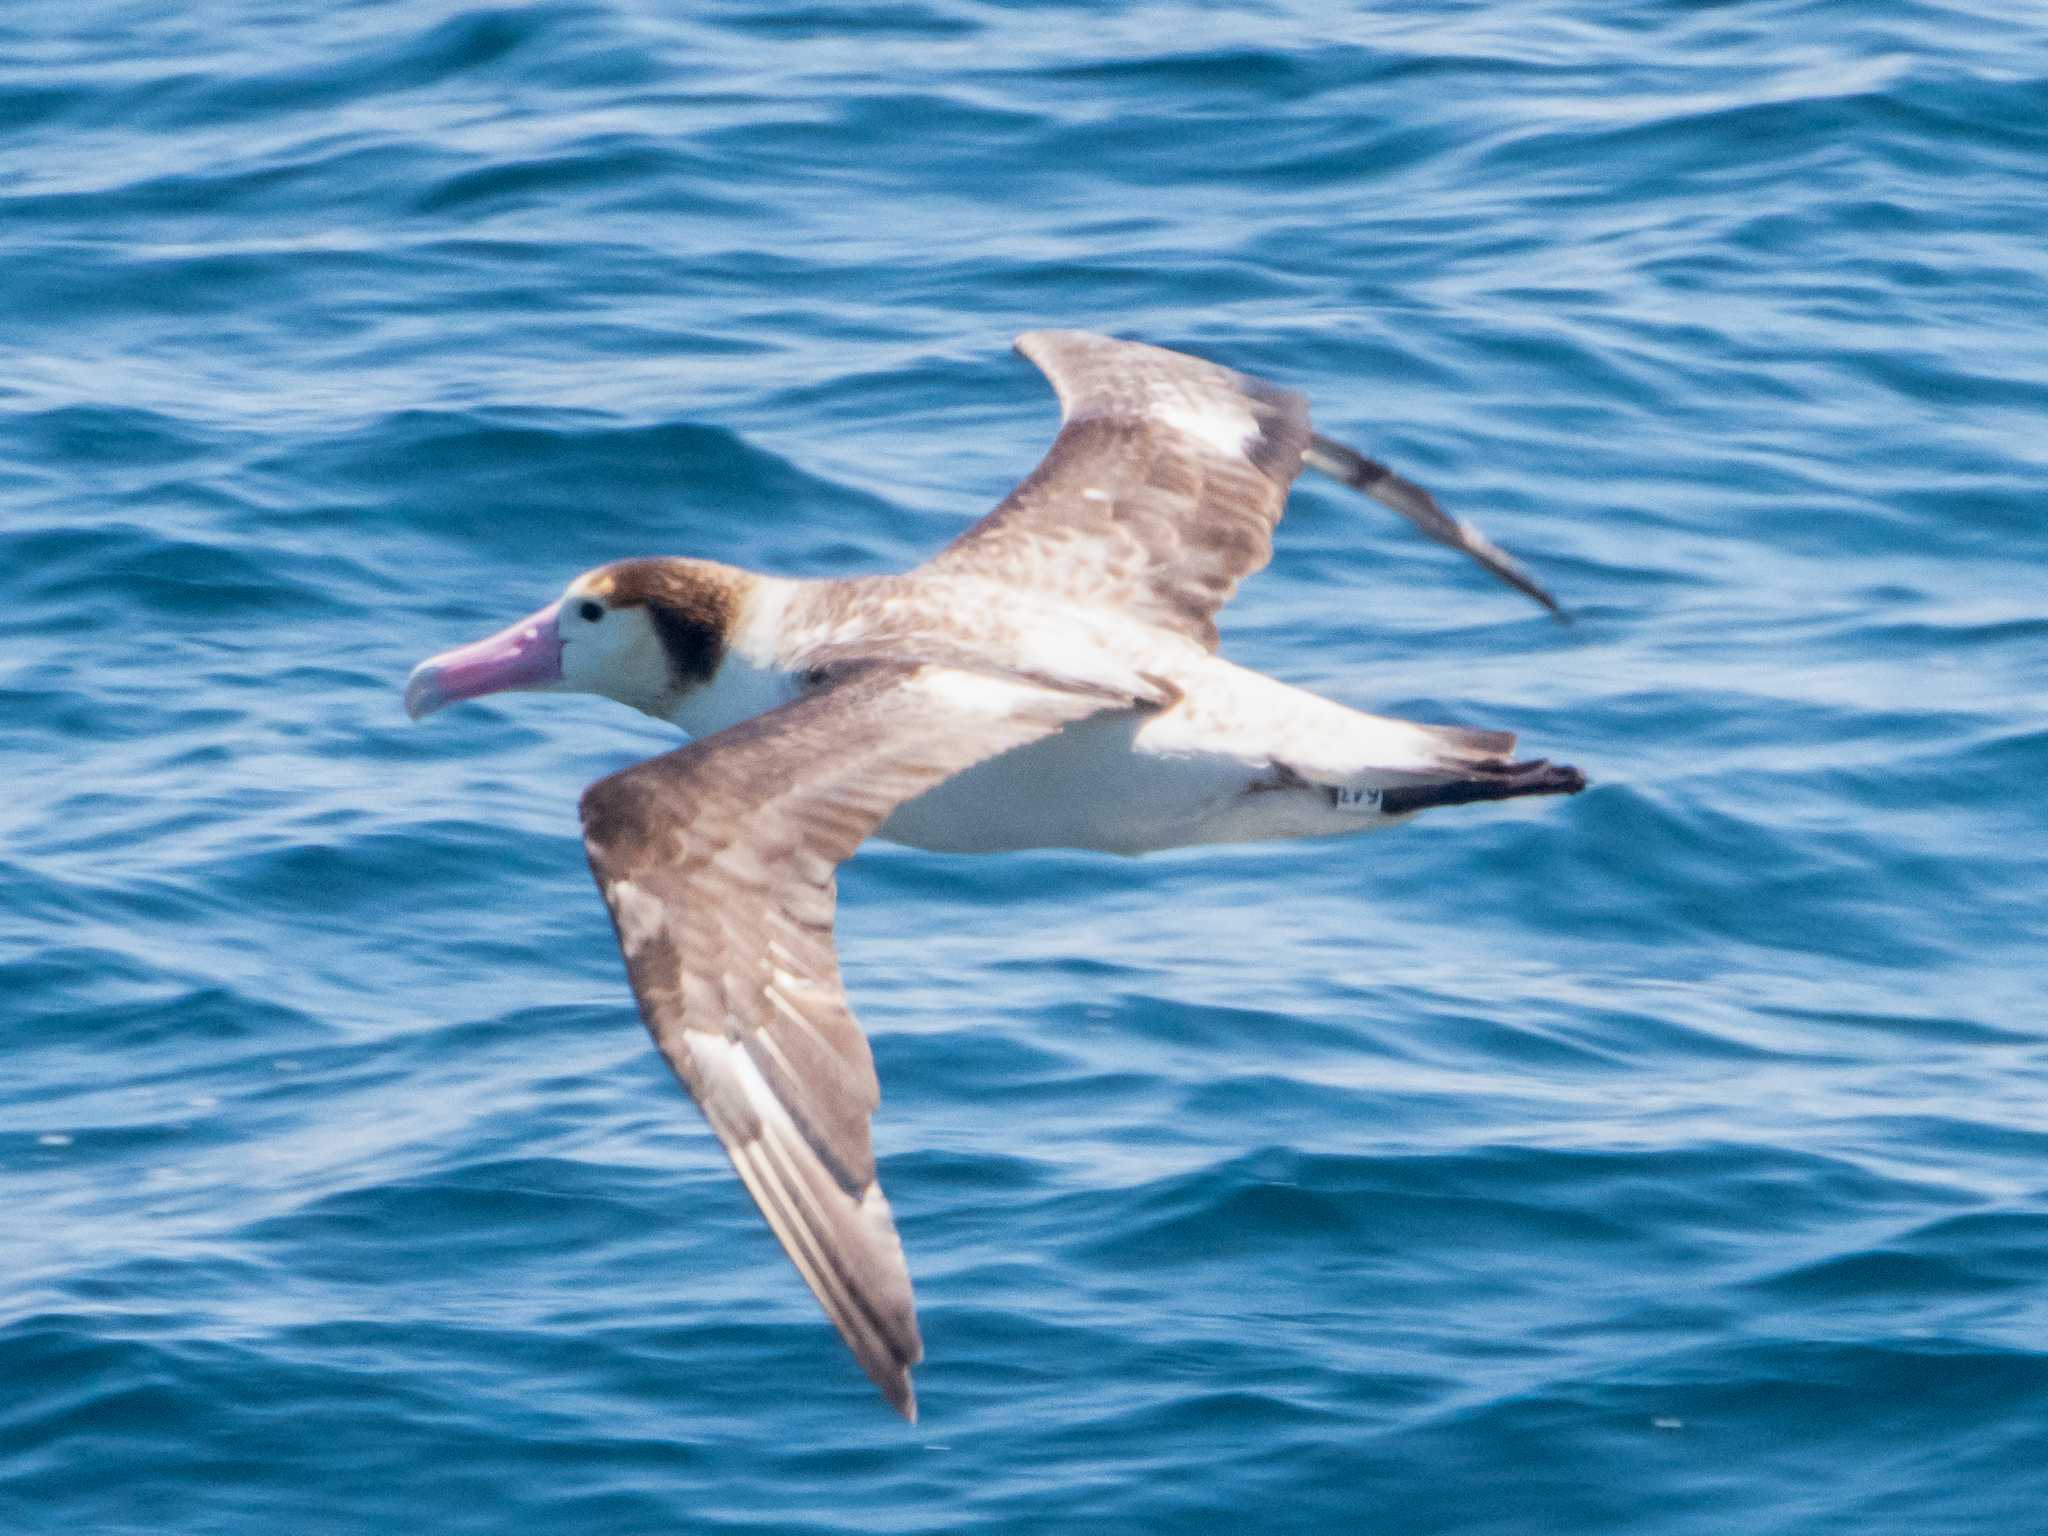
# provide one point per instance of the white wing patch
(1221, 424)
(640, 915)
(726, 1062)
(975, 694)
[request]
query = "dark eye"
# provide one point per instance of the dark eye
(590, 610)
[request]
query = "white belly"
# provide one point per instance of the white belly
(1126, 783)
(1088, 787)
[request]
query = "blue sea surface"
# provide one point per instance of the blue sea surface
(1667, 1161)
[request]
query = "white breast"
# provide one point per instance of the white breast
(739, 690)
(1090, 786)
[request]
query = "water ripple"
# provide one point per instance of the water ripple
(1668, 1161)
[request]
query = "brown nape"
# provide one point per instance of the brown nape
(691, 603)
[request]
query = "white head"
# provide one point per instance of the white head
(644, 632)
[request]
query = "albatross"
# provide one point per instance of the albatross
(1048, 679)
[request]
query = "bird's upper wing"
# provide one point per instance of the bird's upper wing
(1162, 490)
(718, 862)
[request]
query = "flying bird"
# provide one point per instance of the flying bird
(1049, 679)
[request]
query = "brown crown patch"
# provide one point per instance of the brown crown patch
(691, 603)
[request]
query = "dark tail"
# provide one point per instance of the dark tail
(1510, 781)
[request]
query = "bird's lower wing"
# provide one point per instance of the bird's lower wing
(718, 863)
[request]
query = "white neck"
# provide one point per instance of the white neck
(750, 680)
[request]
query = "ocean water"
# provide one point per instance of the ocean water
(1667, 1161)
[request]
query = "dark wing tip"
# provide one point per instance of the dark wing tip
(880, 1347)
(901, 1393)
(1349, 467)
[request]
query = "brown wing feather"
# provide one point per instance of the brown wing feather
(718, 862)
(1161, 491)
(1163, 488)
